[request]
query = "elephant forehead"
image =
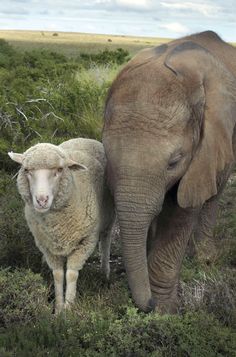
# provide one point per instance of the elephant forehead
(154, 115)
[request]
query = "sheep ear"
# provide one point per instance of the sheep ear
(16, 157)
(73, 165)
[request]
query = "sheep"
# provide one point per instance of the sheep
(67, 207)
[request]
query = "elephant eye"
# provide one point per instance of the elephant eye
(174, 160)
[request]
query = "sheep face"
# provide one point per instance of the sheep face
(43, 185)
(45, 176)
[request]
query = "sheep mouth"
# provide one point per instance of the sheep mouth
(41, 209)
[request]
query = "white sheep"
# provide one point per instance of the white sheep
(67, 207)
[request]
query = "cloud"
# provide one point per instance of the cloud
(175, 27)
(14, 11)
(160, 18)
(203, 8)
(135, 5)
(123, 5)
(102, 2)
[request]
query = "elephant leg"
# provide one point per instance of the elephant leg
(152, 233)
(165, 258)
(202, 241)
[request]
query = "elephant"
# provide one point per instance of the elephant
(170, 141)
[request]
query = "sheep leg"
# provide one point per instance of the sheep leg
(56, 263)
(75, 262)
(105, 248)
(58, 275)
(71, 282)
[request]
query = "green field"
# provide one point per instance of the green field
(72, 44)
(54, 88)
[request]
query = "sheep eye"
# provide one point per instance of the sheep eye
(58, 171)
(27, 172)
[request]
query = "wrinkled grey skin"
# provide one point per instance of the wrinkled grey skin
(170, 142)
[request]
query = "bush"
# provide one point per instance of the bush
(8, 56)
(45, 96)
(214, 292)
(23, 297)
(17, 247)
(118, 57)
(133, 334)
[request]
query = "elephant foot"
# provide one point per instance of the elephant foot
(167, 301)
(151, 306)
(167, 307)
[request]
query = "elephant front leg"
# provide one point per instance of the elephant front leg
(166, 255)
(75, 262)
(203, 243)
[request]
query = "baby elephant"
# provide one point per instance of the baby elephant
(67, 207)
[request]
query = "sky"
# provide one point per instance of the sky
(164, 18)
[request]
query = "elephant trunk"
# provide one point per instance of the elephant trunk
(136, 205)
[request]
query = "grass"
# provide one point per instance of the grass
(45, 96)
(72, 44)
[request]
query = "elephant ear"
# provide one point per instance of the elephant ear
(196, 68)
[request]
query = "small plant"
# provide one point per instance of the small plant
(213, 293)
(23, 297)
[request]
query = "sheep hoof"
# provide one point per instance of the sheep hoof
(68, 306)
(105, 279)
(106, 271)
(58, 309)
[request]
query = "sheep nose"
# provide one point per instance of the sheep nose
(42, 200)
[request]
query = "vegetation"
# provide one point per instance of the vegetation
(46, 96)
(71, 44)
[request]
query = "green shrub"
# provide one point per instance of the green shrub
(118, 56)
(23, 297)
(8, 56)
(17, 247)
(212, 292)
(45, 96)
(134, 334)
